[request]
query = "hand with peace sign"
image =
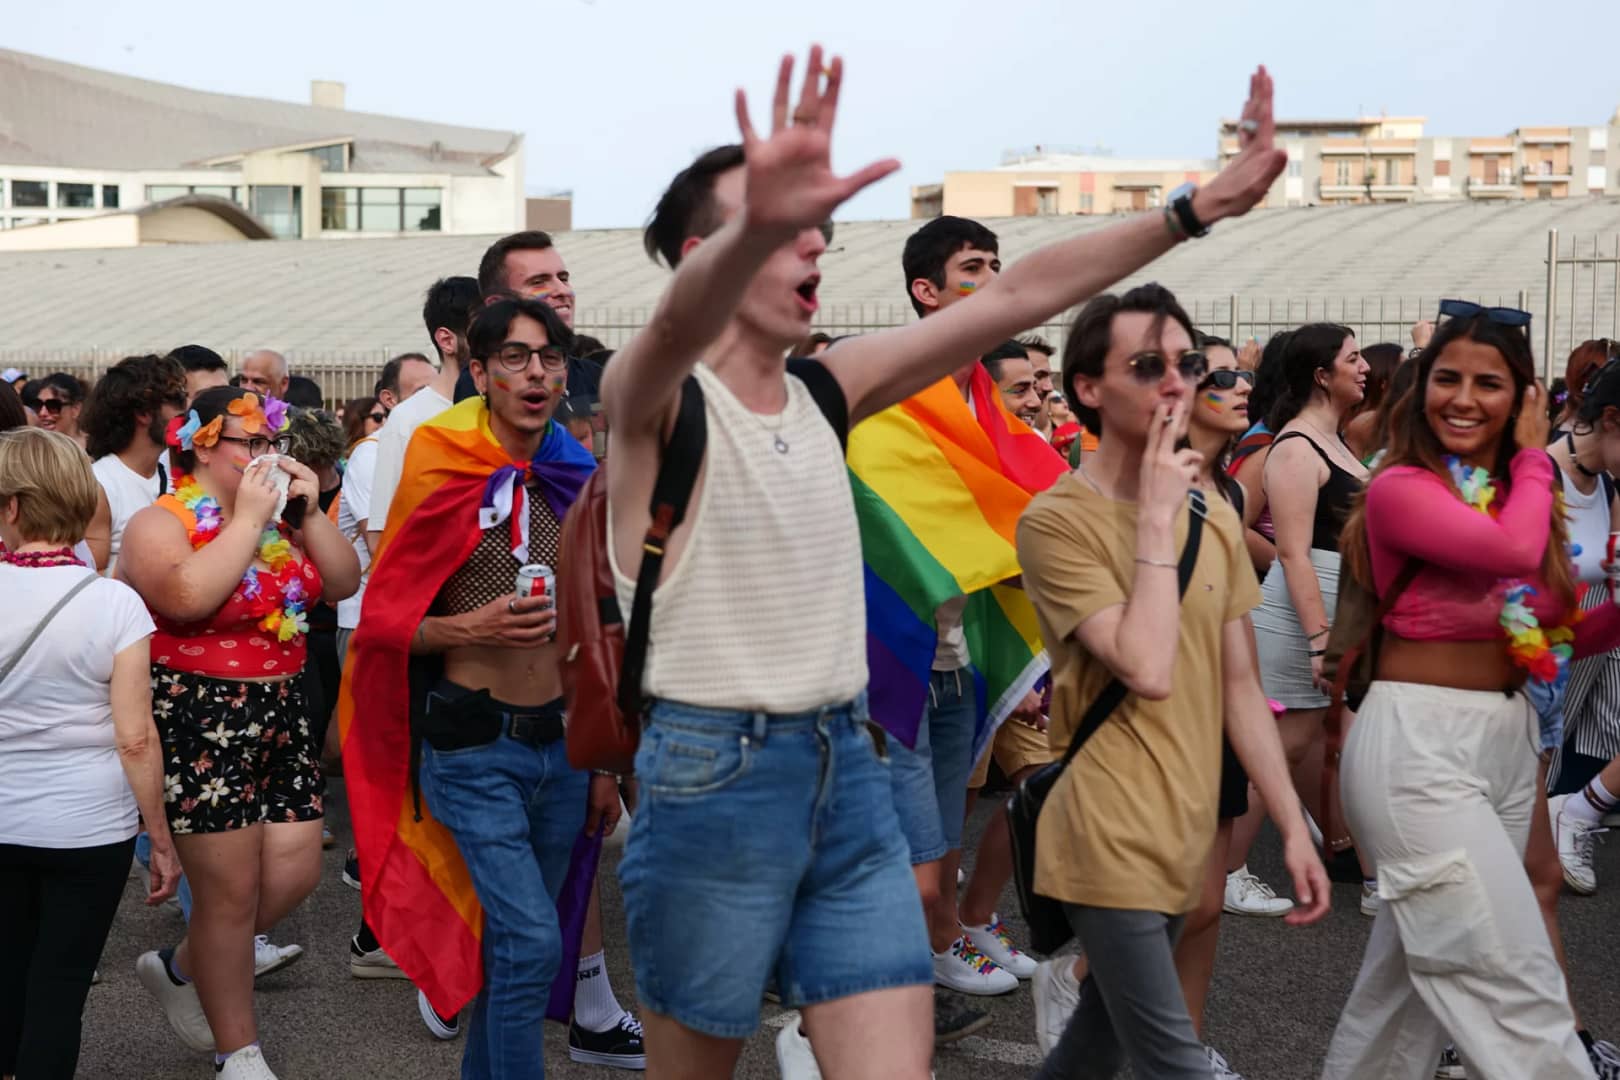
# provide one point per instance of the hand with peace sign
(790, 182)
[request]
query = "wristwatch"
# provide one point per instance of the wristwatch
(1178, 212)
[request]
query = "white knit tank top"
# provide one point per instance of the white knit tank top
(766, 610)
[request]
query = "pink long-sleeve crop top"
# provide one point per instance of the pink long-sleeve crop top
(1470, 557)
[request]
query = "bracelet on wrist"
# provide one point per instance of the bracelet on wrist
(608, 773)
(1314, 653)
(1156, 562)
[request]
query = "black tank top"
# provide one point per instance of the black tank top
(1333, 498)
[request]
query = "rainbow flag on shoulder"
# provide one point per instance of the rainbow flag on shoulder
(938, 490)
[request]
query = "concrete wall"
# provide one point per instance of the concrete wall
(114, 231)
(552, 214)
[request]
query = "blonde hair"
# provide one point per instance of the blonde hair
(51, 480)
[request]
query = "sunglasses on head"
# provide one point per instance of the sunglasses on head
(1226, 378)
(1502, 316)
(1149, 367)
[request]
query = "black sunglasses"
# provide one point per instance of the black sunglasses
(52, 405)
(377, 417)
(826, 228)
(1149, 367)
(1502, 316)
(1226, 378)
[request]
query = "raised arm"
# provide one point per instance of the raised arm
(790, 187)
(879, 370)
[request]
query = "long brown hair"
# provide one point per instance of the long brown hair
(1412, 442)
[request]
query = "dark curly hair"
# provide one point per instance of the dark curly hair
(134, 385)
(316, 438)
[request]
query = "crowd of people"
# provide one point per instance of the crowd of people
(230, 591)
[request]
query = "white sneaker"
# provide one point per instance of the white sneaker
(1057, 995)
(246, 1064)
(1218, 1065)
(793, 1054)
(375, 964)
(268, 957)
(1450, 1066)
(435, 1023)
(1369, 899)
(1574, 839)
(993, 940)
(180, 1004)
(1248, 895)
(965, 969)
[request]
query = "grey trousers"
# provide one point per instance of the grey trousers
(1131, 1005)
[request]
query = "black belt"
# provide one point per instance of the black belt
(457, 719)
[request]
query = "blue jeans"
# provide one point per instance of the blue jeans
(930, 780)
(766, 845)
(515, 811)
(143, 855)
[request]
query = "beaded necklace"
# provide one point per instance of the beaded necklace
(280, 602)
(56, 557)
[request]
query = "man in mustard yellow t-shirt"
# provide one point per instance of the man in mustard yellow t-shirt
(1124, 836)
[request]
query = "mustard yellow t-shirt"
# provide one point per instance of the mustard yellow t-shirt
(1130, 822)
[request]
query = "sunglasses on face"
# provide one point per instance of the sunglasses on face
(54, 406)
(1502, 316)
(826, 228)
(1226, 378)
(1149, 367)
(515, 357)
(377, 417)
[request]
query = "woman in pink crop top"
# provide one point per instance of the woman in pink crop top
(1439, 770)
(228, 586)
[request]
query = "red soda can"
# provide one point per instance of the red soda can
(535, 579)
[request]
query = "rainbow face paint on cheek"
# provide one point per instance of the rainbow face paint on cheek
(1215, 401)
(500, 382)
(966, 288)
(554, 384)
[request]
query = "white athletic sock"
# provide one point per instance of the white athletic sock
(1590, 803)
(595, 1007)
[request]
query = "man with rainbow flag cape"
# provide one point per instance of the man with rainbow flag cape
(953, 647)
(462, 877)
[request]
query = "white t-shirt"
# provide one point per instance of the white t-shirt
(128, 493)
(1588, 517)
(354, 506)
(392, 440)
(61, 785)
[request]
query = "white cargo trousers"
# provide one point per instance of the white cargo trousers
(1438, 788)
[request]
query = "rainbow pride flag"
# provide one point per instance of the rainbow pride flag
(457, 482)
(938, 490)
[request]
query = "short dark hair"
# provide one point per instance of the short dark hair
(1212, 341)
(492, 323)
(70, 387)
(389, 379)
(1092, 335)
(931, 247)
(687, 206)
(304, 392)
(585, 345)
(198, 358)
(1036, 343)
(451, 303)
(492, 267)
(12, 413)
(998, 356)
(136, 384)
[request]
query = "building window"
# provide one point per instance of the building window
(1085, 202)
(1342, 173)
(30, 193)
(1294, 167)
(219, 191)
(280, 207)
(165, 192)
(332, 158)
(422, 209)
(109, 196)
(340, 209)
(1392, 172)
(379, 209)
(1442, 168)
(76, 196)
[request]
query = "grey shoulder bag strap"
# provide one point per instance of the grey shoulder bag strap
(16, 657)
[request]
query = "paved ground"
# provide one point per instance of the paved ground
(1277, 994)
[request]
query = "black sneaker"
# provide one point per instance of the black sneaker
(351, 871)
(619, 1047)
(954, 1019)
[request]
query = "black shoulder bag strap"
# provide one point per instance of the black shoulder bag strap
(1115, 691)
(672, 491)
(826, 391)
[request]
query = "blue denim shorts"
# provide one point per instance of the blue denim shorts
(766, 845)
(930, 780)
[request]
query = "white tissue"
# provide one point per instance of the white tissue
(280, 477)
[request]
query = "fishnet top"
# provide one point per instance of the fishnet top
(491, 571)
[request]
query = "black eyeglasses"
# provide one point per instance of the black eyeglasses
(515, 356)
(1502, 316)
(1149, 367)
(258, 444)
(1226, 378)
(826, 232)
(377, 417)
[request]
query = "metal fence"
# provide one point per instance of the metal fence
(1582, 293)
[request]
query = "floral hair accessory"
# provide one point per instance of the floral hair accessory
(247, 409)
(275, 414)
(189, 432)
(208, 434)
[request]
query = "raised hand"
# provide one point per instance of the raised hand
(1247, 177)
(790, 182)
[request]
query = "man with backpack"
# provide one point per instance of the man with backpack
(766, 833)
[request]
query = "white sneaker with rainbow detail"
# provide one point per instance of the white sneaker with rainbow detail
(965, 969)
(993, 940)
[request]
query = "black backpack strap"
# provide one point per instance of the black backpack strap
(825, 389)
(672, 491)
(1607, 483)
(1115, 691)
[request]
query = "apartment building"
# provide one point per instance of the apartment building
(1044, 181)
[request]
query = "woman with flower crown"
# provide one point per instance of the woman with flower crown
(1463, 535)
(228, 582)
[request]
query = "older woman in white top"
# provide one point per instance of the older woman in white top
(74, 775)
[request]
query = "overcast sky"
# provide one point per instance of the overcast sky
(614, 96)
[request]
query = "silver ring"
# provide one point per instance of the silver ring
(511, 605)
(1251, 126)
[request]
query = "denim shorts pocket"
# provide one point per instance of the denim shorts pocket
(686, 762)
(1443, 913)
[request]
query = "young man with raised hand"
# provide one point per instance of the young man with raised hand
(767, 826)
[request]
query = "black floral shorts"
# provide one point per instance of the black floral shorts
(234, 753)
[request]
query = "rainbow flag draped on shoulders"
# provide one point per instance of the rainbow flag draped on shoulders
(938, 490)
(457, 482)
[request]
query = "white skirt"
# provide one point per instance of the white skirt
(1285, 666)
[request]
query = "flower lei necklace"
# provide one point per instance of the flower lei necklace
(280, 607)
(1542, 651)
